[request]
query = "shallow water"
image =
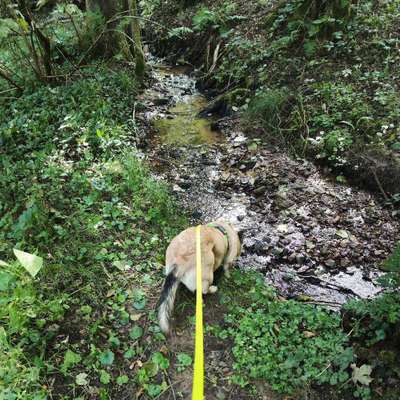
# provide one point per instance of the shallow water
(180, 123)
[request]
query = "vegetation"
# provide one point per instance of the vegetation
(73, 196)
(289, 344)
(84, 225)
(319, 76)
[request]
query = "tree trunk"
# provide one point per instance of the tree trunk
(139, 55)
(106, 45)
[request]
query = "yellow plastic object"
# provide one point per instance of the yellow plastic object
(198, 372)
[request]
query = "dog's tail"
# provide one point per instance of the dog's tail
(166, 302)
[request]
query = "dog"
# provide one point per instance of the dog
(220, 245)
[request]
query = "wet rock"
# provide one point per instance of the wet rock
(197, 214)
(161, 101)
(300, 258)
(185, 184)
(260, 190)
(330, 263)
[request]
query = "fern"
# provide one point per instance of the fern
(180, 32)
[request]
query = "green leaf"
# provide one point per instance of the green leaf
(107, 357)
(154, 390)
(114, 341)
(5, 279)
(105, 377)
(70, 359)
(121, 265)
(139, 305)
(30, 262)
(81, 379)
(121, 380)
(136, 332)
(184, 360)
(160, 360)
(396, 146)
(151, 369)
(129, 353)
(252, 146)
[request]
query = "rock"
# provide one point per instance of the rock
(177, 188)
(330, 263)
(260, 190)
(277, 251)
(300, 258)
(185, 184)
(344, 262)
(197, 214)
(304, 268)
(161, 101)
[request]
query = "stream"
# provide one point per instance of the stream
(312, 238)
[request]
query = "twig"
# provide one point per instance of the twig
(170, 384)
(378, 182)
(5, 76)
(134, 113)
(8, 90)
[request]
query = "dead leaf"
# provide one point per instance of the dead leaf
(309, 334)
(362, 374)
(135, 317)
(342, 233)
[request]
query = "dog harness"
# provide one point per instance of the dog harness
(224, 232)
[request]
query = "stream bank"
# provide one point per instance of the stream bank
(313, 239)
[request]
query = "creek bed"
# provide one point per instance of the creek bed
(313, 239)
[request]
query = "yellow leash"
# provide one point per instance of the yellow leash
(198, 372)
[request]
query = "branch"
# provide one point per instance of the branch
(5, 76)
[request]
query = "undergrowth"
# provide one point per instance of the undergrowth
(74, 191)
(290, 345)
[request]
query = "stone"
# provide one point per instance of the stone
(330, 263)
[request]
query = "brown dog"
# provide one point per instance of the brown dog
(220, 245)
